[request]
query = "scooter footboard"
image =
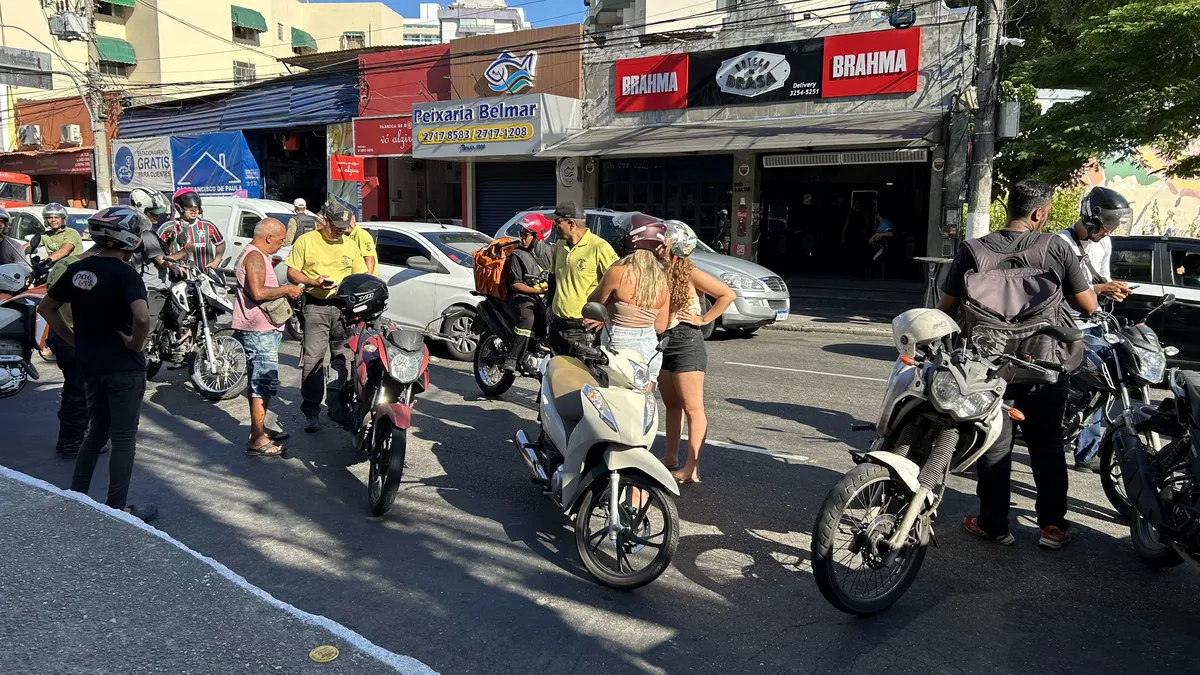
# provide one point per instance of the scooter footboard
(620, 458)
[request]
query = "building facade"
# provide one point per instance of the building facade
(469, 18)
(664, 16)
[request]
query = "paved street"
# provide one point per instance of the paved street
(475, 572)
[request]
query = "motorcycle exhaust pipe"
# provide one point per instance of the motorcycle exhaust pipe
(530, 456)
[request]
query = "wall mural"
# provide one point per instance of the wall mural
(1161, 205)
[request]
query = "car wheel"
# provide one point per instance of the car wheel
(460, 323)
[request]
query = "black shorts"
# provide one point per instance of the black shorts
(685, 351)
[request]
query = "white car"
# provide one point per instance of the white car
(236, 217)
(429, 273)
(26, 221)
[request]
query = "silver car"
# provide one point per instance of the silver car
(762, 296)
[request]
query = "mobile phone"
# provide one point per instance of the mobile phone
(1133, 286)
(328, 283)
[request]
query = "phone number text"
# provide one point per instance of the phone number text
(494, 132)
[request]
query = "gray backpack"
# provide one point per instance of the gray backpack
(1012, 295)
(304, 224)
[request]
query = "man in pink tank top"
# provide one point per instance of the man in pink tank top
(259, 337)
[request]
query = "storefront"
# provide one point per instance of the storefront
(216, 164)
(792, 147)
(55, 150)
(499, 138)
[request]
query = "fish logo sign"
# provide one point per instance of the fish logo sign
(511, 74)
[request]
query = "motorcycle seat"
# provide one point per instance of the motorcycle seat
(566, 376)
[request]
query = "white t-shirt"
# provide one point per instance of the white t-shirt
(1096, 253)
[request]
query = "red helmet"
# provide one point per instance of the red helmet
(641, 232)
(538, 224)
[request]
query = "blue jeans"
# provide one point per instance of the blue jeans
(262, 362)
(1088, 444)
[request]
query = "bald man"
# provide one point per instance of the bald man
(260, 337)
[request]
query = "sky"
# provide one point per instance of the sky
(540, 13)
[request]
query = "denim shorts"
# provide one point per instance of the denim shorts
(644, 341)
(262, 361)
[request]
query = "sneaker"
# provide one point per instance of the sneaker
(1054, 538)
(312, 423)
(1090, 466)
(971, 524)
(510, 365)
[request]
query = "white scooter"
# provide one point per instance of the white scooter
(598, 418)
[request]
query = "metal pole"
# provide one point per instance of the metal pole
(984, 140)
(100, 163)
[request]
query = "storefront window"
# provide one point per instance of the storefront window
(691, 189)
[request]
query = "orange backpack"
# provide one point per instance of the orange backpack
(490, 263)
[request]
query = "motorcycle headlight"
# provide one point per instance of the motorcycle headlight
(1152, 364)
(404, 366)
(944, 389)
(648, 412)
(641, 377)
(593, 395)
(741, 282)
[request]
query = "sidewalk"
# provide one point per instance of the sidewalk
(848, 306)
(84, 589)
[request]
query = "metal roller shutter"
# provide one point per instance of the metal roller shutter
(503, 189)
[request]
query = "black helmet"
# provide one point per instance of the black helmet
(1106, 209)
(118, 227)
(641, 232)
(187, 199)
(363, 297)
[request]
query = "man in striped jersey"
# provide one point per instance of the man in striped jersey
(203, 240)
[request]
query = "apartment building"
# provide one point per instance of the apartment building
(467, 18)
(426, 29)
(663, 16)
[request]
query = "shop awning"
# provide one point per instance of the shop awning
(303, 40)
(244, 17)
(123, 3)
(115, 50)
(916, 128)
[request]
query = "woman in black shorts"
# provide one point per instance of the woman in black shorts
(685, 359)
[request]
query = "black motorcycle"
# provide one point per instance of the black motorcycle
(496, 328)
(1126, 360)
(1164, 486)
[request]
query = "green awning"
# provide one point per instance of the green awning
(115, 50)
(123, 3)
(244, 17)
(302, 39)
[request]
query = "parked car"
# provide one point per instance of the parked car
(429, 271)
(1162, 265)
(236, 217)
(26, 221)
(762, 296)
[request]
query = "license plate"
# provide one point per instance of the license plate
(781, 315)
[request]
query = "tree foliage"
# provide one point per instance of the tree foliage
(1138, 61)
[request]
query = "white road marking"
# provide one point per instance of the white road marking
(406, 665)
(747, 448)
(807, 372)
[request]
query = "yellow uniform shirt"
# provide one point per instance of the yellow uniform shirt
(65, 236)
(314, 256)
(366, 245)
(577, 271)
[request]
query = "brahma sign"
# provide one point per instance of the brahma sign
(864, 64)
(651, 83)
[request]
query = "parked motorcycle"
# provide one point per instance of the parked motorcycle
(1127, 357)
(1163, 486)
(598, 418)
(497, 330)
(18, 329)
(186, 333)
(942, 409)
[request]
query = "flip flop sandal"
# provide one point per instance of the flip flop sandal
(278, 435)
(685, 481)
(261, 451)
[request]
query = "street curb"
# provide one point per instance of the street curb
(834, 328)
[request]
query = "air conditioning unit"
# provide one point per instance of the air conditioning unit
(69, 26)
(29, 135)
(69, 134)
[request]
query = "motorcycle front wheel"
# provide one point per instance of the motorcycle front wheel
(388, 447)
(490, 375)
(859, 514)
(1110, 475)
(647, 532)
(295, 327)
(225, 377)
(1149, 545)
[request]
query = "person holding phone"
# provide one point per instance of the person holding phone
(319, 261)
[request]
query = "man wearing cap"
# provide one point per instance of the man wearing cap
(580, 260)
(301, 223)
(366, 245)
(320, 260)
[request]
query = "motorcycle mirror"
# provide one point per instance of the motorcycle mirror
(36, 240)
(1168, 300)
(596, 312)
(662, 345)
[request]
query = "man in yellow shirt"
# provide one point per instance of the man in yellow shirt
(320, 260)
(366, 245)
(580, 260)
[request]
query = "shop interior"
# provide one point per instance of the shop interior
(293, 164)
(819, 220)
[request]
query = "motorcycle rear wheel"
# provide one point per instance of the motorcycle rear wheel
(388, 447)
(828, 555)
(638, 497)
(1148, 545)
(488, 364)
(212, 385)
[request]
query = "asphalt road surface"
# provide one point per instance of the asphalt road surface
(474, 571)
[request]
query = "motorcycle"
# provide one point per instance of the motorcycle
(185, 333)
(598, 419)
(1127, 357)
(495, 339)
(1163, 486)
(19, 330)
(295, 323)
(942, 409)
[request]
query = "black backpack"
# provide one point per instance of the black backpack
(1012, 295)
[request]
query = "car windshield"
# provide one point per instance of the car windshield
(282, 217)
(458, 246)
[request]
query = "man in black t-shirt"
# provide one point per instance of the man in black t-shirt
(527, 268)
(111, 323)
(1043, 404)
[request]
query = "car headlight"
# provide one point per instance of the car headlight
(593, 395)
(944, 389)
(641, 377)
(648, 412)
(1152, 364)
(741, 282)
(404, 366)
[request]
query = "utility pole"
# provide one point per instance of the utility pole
(95, 92)
(983, 149)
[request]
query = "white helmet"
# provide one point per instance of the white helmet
(118, 227)
(149, 201)
(921, 326)
(14, 277)
(683, 239)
